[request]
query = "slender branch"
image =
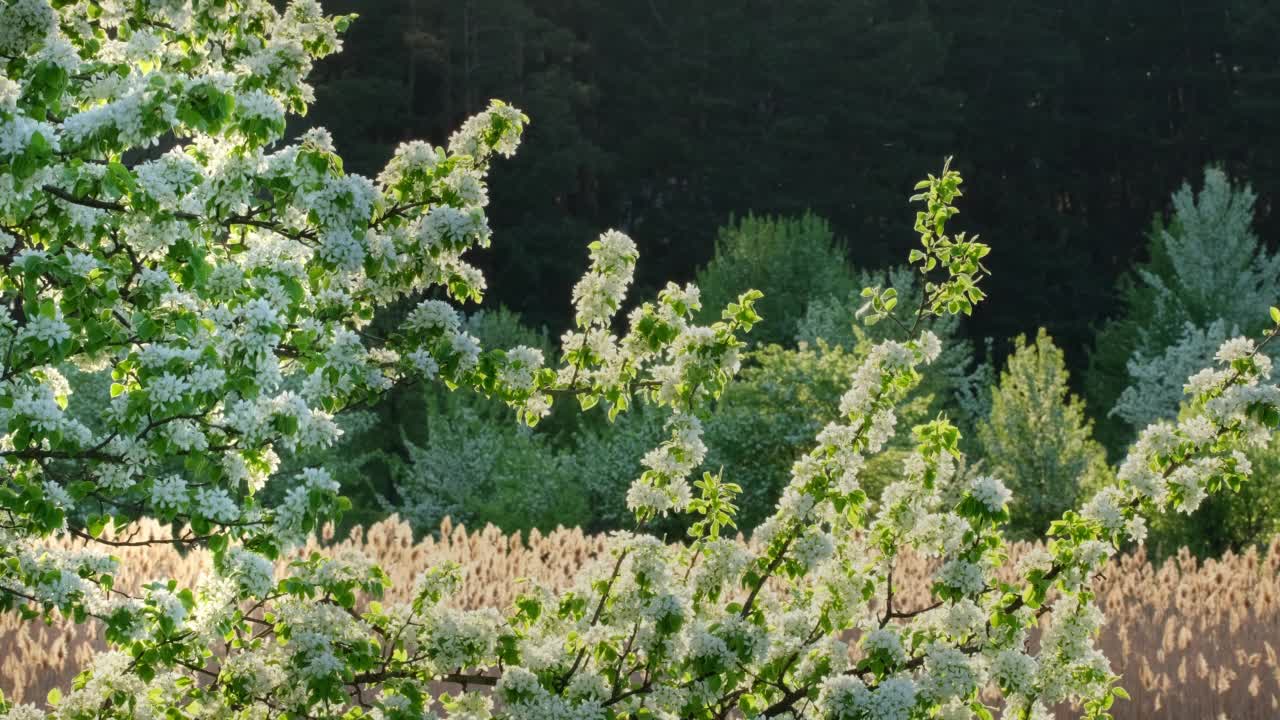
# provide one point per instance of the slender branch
(908, 614)
(595, 617)
(231, 221)
(463, 679)
(888, 596)
(768, 571)
(184, 540)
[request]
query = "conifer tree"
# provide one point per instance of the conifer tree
(1038, 437)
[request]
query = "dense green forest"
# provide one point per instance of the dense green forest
(667, 116)
(750, 144)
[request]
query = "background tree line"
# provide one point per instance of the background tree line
(748, 143)
(667, 116)
(427, 453)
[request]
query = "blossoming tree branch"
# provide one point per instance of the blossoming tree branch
(156, 230)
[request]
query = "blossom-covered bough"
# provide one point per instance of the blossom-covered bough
(153, 227)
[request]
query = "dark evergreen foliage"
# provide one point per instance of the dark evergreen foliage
(668, 116)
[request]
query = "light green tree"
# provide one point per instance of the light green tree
(1206, 264)
(792, 260)
(1037, 437)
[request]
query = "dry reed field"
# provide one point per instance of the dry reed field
(1192, 640)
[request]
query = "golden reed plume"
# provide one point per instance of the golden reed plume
(1192, 640)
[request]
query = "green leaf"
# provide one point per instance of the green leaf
(117, 180)
(96, 524)
(1275, 314)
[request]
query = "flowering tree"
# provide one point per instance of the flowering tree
(154, 225)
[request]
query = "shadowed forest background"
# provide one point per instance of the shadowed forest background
(677, 121)
(666, 117)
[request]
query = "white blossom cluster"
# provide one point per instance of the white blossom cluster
(991, 493)
(1228, 400)
(210, 301)
(600, 292)
(664, 487)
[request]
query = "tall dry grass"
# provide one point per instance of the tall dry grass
(1192, 640)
